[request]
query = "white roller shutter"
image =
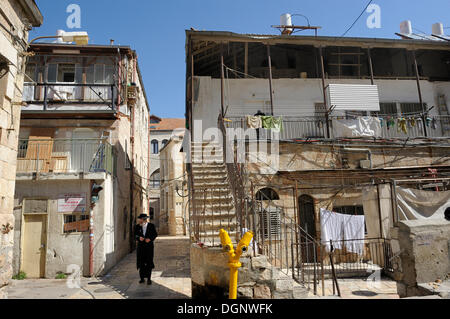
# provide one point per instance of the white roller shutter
(354, 97)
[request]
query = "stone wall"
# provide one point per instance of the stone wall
(257, 278)
(11, 84)
(424, 253)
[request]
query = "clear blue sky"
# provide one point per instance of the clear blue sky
(155, 29)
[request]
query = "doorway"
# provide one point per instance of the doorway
(34, 245)
(307, 222)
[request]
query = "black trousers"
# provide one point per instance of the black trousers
(145, 271)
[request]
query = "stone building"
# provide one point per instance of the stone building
(83, 152)
(174, 215)
(305, 126)
(161, 130)
(17, 17)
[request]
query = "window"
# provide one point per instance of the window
(52, 72)
(267, 194)
(270, 222)
(412, 108)
(155, 147)
(76, 223)
(155, 179)
(100, 74)
(66, 73)
(386, 109)
(164, 143)
(30, 73)
(154, 120)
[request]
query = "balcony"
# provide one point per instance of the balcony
(69, 97)
(65, 156)
(299, 128)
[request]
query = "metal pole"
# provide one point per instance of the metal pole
(45, 97)
(372, 79)
(91, 238)
(222, 79)
(424, 120)
(379, 211)
(325, 103)
(269, 59)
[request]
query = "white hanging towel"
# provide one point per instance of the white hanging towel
(254, 122)
(354, 233)
(331, 225)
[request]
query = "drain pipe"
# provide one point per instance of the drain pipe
(361, 150)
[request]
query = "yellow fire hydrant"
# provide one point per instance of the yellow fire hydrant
(234, 257)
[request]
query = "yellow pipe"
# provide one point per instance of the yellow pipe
(234, 257)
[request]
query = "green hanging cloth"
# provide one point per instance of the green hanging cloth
(272, 123)
(267, 122)
(278, 124)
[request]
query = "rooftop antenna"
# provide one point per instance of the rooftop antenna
(287, 28)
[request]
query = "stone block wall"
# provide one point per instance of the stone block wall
(257, 278)
(425, 255)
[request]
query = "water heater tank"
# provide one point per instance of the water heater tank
(286, 20)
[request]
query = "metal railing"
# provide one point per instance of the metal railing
(65, 156)
(58, 93)
(298, 254)
(235, 180)
(295, 128)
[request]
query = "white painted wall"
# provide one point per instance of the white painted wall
(297, 97)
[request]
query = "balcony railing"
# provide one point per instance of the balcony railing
(61, 93)
(295, 128)
(65, 156)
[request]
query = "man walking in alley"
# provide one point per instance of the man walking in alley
(145, 234)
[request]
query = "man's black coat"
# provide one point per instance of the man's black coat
(145, 250)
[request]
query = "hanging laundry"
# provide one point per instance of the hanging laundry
(401, 122)
(320, 124)
(354, 233)
(254, 122)
(331, 225)
(278, 124)
(428, 121)
(269, 122)
(412, 121)
(390, 122)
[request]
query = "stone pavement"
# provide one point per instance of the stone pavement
(357, 288)
(171, 279)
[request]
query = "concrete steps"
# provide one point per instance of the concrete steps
(213, 199)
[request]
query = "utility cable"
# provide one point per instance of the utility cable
(357, 19)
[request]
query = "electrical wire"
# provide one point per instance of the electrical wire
(359, 17)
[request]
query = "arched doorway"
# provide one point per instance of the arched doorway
(307, 222)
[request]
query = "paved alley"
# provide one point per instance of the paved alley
(171, 279)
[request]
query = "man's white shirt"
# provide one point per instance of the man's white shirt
(144, 228)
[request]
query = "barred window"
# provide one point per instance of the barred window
(270, 223)
(410, 108)
(386, 109)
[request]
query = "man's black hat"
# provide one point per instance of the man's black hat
(142, 216)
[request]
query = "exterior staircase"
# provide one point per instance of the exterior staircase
(213, 202)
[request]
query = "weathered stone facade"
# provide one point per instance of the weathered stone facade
(174, 216)
(424, 254)
(19, 16)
